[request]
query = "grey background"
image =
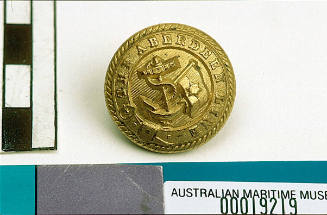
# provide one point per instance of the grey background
(99, 189)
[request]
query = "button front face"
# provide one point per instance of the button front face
(170, 87)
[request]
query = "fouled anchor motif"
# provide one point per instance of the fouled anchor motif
(170, 88)
(183, 90)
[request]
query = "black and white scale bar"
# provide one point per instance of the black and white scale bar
(28, 65)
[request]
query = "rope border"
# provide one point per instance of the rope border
(108, 87)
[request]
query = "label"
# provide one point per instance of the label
(213, 197)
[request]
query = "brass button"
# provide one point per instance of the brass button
(170, 87)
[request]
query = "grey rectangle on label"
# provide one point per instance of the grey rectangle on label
(99, 189)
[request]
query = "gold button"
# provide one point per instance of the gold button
(169, 88)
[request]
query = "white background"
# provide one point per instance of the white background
(210, 205)
(279, 54)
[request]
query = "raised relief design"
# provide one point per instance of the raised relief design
(170, 88)
(183, 93)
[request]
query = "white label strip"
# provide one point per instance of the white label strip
(18, 12)
(1, 63)
(43, 75)
(200, 197)
(18, 85)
